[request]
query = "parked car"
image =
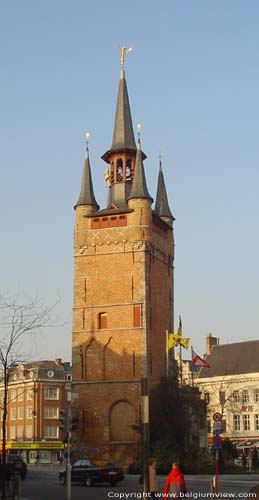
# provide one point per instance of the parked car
(88, 473)
(18, 464)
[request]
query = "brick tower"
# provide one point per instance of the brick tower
(123, 294)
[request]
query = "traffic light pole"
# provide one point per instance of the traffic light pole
(68, 467)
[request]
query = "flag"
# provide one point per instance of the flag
(175, 340)
(198, 361)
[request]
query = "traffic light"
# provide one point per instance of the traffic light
(74, 424)
(63, 419)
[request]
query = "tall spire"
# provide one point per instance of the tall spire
(139, 185)
(86, 196)
(162, 207)
(123, 135)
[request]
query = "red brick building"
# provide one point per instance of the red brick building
(123, 293)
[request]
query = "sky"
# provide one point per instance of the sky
(193, 82)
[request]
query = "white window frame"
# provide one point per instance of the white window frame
(20, 431)
(51, 393)
(29, 431)
(236, 396)
(51, 412)
(20, 413)
(256, 422)
(246, 422)
(12, 395)
(237, 422)
(20, 394)
(29, 412)
(13, 414)
(49, 431)
(12, 432)
(29, 394)
(245, 396)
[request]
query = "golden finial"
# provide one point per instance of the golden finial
(87, 138)
(139, 126)
(124, 51)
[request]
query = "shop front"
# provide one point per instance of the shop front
(38, 452)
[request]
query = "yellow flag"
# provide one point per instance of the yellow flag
(185, 342)
(171, 340)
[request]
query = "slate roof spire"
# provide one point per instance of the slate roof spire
(123, 135)
(86, 196)
(139, 186)
(162, 206)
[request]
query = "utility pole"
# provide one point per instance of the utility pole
(68, 467)
(145, 431)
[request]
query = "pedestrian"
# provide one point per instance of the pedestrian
(152, 478)
(244, 460)
(60, 459)
(175, 483)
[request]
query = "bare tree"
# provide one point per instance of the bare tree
(19, 318)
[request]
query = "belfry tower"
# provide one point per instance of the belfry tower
(123, 294)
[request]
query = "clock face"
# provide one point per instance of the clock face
(50, 374)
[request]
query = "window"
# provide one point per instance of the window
(128, 169)
(29, 411)
(29, 431)
(257, 422)
(20, 413)
(245, 396)
(20, 394)
(13, 413)
(137, 320)
(51, 412)
(29, 395)
(236, 422)
(246, 421)
(102, 320)
(20, 431)
(50, 431)
(256, 395)
(236, 397)
(12, 432)
(119, 170)
(51, 393)
(13, 395)
(224, 425)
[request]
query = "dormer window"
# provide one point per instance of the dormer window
(128, 170)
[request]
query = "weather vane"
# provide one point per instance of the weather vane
(124, 51)
(87, 137)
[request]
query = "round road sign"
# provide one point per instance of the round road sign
(217, 417)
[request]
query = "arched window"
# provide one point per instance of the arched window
(122, 417)
(119, 170)
(102, 320)
(128, 170)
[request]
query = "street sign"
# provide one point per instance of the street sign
(217, 441)
(217, 427)
(217, 417)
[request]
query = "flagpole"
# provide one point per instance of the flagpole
(181, 367)
(167, 359)
(192, 366)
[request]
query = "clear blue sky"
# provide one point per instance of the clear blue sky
(193, 82)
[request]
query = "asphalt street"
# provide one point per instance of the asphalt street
(44, 485)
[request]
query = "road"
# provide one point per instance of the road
(44, 485)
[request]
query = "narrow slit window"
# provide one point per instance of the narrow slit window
(102, 320)
(137, 319)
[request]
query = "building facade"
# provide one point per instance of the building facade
(36, 393)
(123, 294)
(231, 387)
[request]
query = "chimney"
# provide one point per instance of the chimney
(58, 361)
(210, 342)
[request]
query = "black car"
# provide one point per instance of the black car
(18, 464)
(88, 473)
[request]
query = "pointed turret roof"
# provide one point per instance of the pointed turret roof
(139, 185)
(162, 206)
(86, 196)
(123, 135)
